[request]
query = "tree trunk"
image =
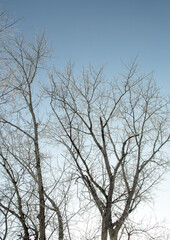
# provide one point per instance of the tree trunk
(41, 192)
(113, 234)
(104, 235)
(39, 171)
(104, 231)
(39, 176)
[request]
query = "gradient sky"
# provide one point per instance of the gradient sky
(104, 32)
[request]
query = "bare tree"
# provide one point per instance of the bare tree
(115, 133)
(27, 64)
(5, 23)
(144, 229)
(28, 201)
(6, 28)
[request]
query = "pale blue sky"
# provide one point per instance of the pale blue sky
(102, 32)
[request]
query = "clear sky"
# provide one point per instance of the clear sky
(103, 32)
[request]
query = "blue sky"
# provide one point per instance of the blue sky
(103, 32)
